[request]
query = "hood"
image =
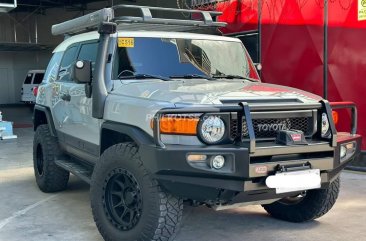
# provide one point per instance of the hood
(200, 91)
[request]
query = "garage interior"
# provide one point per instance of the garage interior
(26, 43)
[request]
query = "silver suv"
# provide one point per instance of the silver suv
(152, 112)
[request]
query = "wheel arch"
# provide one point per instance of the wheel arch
(42, 116)
(113, 133)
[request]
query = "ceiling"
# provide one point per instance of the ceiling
(24, 47)
(32, 5)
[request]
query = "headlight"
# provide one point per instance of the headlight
(212, 129)
(325, 126)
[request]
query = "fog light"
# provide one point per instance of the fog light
(217, 162)
(196, 158)
(343, 151)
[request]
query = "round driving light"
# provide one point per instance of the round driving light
(343, 151)
(212, 129)
(325, 126)
(217, 162)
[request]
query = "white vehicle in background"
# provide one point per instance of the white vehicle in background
(32, 80)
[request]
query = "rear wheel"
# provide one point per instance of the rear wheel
(49, 176)
(127, 203)
(307, 206)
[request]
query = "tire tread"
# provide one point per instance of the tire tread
(170, 207)
(315, 204)
(54, 178)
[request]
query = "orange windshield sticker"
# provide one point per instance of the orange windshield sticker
(126, 42)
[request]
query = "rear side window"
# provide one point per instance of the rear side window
(28, 79)
(38, 78)
(67, 61)
(89, 52)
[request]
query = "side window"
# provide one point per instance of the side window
(52, 68)
(89, 52)
(38, 78)
(67, 61)
(28, 79)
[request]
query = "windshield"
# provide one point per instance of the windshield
(181, 57)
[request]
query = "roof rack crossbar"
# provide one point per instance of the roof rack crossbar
(147, 16)
(93, 20)
(166, 21)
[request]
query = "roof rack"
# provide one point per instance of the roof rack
(93, 20)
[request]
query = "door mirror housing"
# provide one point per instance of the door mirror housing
(82, 72)
(258, 66)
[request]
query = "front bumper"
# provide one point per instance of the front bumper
(249, 162)
(247, 171)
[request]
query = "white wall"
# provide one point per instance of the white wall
(13, 69)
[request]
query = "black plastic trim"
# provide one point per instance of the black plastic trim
(101, 81)
(78, 148)
(139, 136)
(48, 114)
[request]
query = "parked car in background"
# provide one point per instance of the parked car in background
(32, 80)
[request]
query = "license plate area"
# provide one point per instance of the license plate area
(285, 182)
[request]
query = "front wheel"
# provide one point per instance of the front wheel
(127, 203)
(307, 206)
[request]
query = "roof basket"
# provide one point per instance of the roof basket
(93, 20)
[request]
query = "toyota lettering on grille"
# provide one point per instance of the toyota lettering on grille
(271, 127)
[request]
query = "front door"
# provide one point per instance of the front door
(73, 111)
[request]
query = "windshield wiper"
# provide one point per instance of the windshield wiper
(191, 76)
(224, 76)
(144, 76)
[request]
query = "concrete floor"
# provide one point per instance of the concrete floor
(28, 214)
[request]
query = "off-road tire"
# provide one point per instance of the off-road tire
(313, 205)
(49, 177)
(161, 213)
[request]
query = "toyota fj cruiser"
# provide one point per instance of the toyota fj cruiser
(153, 112)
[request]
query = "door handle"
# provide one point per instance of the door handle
(66, 97)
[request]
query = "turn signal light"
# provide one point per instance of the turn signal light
(178, 125)
(335, 117)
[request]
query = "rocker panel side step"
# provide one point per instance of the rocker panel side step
(79, 170)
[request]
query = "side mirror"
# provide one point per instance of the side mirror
(258, 66)
(81, 72)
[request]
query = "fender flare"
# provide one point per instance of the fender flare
(139, 136)
(47, 112)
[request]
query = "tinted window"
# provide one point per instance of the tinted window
(67, 61)
(53, 66)
(28, 79)
(38, 78)
(172, 57)
(89, 52)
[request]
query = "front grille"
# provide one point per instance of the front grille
(304, 124)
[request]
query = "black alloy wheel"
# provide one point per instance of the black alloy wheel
(123, 200)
